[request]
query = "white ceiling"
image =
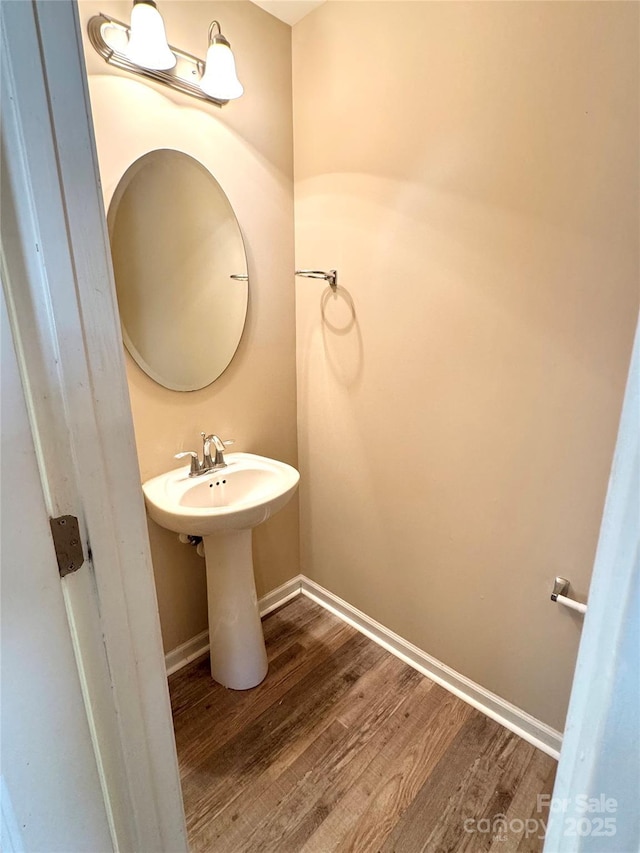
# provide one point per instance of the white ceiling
(289, 11)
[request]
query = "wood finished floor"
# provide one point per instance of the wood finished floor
(345, 748)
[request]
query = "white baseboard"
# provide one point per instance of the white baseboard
(199, 645)
(186, 652)
(277, 597)
(511, 717)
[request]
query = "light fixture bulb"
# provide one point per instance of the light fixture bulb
(147, 45)
(220, 79)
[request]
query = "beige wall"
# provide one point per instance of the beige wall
(247, 146)
(471, 169)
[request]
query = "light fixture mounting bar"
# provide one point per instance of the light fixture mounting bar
(109, 37)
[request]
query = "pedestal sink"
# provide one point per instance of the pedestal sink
(222, 506)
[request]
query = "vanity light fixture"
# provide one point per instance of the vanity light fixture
(141, 48)
(220, 79)
(147, 44)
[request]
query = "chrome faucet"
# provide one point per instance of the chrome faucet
(218, 460)
(207, 464)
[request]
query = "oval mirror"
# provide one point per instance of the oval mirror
(180, 270)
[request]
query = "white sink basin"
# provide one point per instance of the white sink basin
(245, 493)
(222, 507)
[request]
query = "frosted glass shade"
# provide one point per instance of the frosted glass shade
(147, 45)
(220, 79)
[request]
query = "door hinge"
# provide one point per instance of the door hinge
(66, 541)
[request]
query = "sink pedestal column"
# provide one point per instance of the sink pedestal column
(238, 654)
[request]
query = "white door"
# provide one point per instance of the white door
(52, 797)
(595, 800)
(89, 760)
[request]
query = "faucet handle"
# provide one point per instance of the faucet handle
(195, 461)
